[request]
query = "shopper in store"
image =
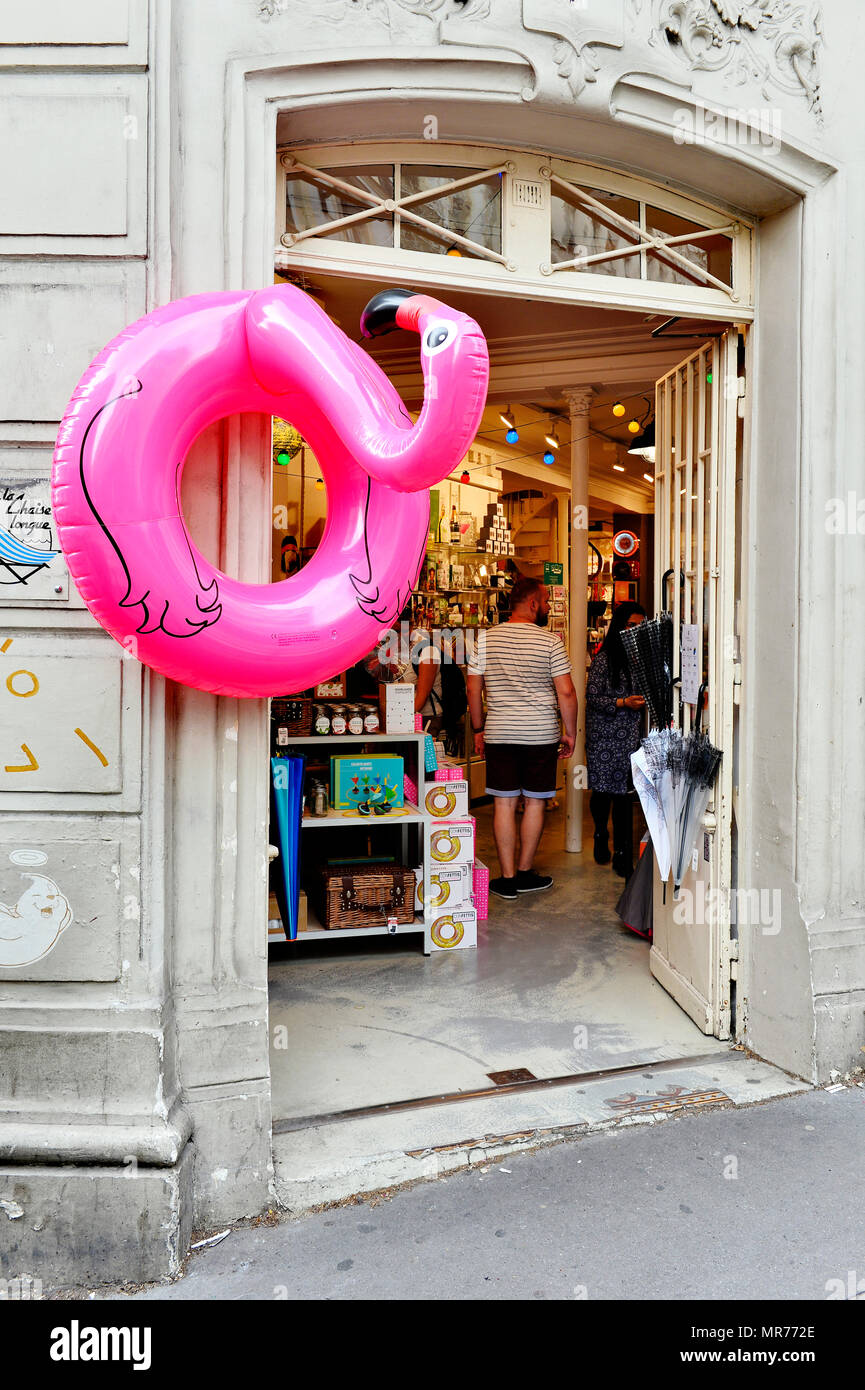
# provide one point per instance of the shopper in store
(423, 671)
(289, 556)
(614, 726)
(526, 675)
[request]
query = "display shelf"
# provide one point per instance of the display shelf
(336, 817)
(354, 739)
(316, 932)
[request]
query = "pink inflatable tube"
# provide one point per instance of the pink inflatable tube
(129, 426)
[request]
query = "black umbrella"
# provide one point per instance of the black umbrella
(649, 651)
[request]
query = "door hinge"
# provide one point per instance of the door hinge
(737, 673)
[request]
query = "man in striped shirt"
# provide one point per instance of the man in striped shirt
(526, 674)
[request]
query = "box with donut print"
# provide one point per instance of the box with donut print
(449, 842)
(453, 929)
(448, 800)
(449, 885)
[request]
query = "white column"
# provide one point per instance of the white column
(579, 400)
(562, 532)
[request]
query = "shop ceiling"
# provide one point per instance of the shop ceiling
(538, 351)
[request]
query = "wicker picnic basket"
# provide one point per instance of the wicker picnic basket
(293, 714)
(366, 895)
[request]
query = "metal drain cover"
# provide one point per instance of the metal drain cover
(504, 1078)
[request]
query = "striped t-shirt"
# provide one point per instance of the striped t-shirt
(519, 662)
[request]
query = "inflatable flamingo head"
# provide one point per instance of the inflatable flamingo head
(455, 367)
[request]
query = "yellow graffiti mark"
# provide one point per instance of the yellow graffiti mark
(6, 645)
(30, 766)
(92, 746)
(23, 694)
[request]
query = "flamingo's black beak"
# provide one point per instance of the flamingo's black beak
(379, 316)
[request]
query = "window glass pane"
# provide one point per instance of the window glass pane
(474, 212)
(714, 253)
(581, 231)
(310, 202)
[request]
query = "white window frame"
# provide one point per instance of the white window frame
(523, 265)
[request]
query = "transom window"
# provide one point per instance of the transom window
(524, 217)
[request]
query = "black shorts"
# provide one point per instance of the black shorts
(527, 769)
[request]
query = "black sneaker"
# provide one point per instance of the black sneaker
(503, 887)
(530, 882)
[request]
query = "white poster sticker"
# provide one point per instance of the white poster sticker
(690, 663)
(32, 568)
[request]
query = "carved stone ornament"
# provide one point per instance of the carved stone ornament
(381, 10)
(772, 43)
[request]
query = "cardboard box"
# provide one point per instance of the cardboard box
(396, 706)
(450, 842)
(449, 801)
(373, 785)
(450, 886)
(454, 930)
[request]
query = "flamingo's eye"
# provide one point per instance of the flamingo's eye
(438, 335)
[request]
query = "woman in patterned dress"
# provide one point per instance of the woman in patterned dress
(614, 723)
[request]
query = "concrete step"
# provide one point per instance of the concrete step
(328, 1158)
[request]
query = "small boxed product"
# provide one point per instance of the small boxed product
(450, 842)
(512, 549)
(500, 508)
(418, 890)
(396, 704)
(456, 929)
(458, 576)
(372, 785)
(448, 800)
(450, 884)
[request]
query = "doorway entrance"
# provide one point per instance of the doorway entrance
(558, 986)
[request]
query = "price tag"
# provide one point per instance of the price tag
(392, 925)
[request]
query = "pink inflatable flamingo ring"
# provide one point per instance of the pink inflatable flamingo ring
(127, 431)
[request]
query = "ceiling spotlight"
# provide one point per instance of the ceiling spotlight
(618, 468)
(512, 436)
(507, 418)
(549, 457)
(552, 439)
(618, 408)
(648, 477)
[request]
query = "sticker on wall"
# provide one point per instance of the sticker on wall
(32, 928)
(32, 568)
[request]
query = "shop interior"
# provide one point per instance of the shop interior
(556, 985)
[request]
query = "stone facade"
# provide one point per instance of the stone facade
(138, 158)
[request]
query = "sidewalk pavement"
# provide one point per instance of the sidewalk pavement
(761, 1202)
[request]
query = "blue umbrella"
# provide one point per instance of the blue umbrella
(287, 780)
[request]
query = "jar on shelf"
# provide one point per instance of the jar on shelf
(320, 719)
(338, 721)
(354, 719)
(371, 722)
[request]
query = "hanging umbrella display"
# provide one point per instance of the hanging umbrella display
(649, 651)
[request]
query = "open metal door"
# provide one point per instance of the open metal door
(695, 559)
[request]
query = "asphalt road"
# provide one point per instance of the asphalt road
(762, 1202)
